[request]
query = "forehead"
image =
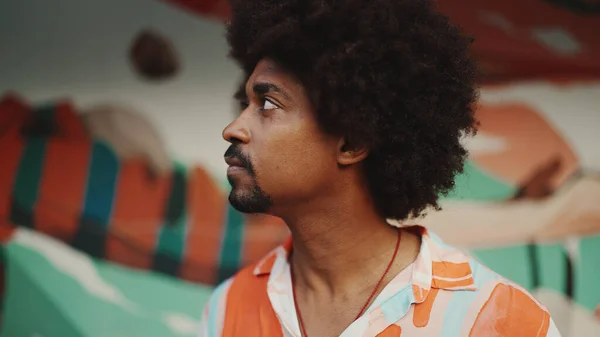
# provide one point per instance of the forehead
(269, 71)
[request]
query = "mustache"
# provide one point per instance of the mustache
(235, 151)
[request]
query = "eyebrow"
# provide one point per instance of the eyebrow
(264, 87)
(240, 93)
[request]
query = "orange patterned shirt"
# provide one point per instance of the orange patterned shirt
(443, 293)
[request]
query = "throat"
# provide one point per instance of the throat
(330, 298)
(334, 264)
(350, 295)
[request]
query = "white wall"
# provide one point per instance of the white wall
(78, 49)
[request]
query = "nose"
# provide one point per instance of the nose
(236, 131)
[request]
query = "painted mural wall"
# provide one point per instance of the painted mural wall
(130, 171)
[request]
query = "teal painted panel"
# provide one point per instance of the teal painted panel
(511, 262)
(102, 300)
(587, 292)
(552, 263)
(28, 311)
(475, 184)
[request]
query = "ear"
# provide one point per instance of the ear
(348, 154)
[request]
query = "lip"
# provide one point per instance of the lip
(235, 166)
(233, 162)
(232, 170)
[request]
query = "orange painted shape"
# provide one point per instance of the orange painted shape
(12, 146)
(530, 141)
(206, 209)
(510, 312)
(222, 10)
(139, 210)
(7, 230)
(262, 234)
(506, 37)
(69, 123)
(249, 312)
(124, 250)
(13, 114)
(62, 188)
(391, 331)
(423, 310)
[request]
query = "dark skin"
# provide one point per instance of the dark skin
(314, 182)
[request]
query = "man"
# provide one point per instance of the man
(352, 115)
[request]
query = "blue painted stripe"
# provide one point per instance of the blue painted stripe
(98, 205)
(101, 186)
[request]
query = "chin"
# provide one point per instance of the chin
(243, 207)
(250, 201)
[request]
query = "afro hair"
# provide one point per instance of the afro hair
(394, 76)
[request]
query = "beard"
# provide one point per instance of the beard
(249, 199)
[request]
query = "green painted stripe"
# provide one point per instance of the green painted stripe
(27, 183)
(170, 245)
(29, 174)
(231, 247)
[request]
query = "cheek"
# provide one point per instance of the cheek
(296, 163)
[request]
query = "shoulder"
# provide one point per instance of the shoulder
(235, 294)
(501, 306)
(213, 315)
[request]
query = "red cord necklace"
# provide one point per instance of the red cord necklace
(365, 306)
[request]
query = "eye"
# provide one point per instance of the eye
(269, 105)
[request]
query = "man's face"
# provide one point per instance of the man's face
(278, 156)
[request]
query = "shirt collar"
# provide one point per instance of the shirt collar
(265, 266)
(437, 266)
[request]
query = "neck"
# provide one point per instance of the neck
(336, 239)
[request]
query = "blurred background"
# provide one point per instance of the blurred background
(114, 218)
